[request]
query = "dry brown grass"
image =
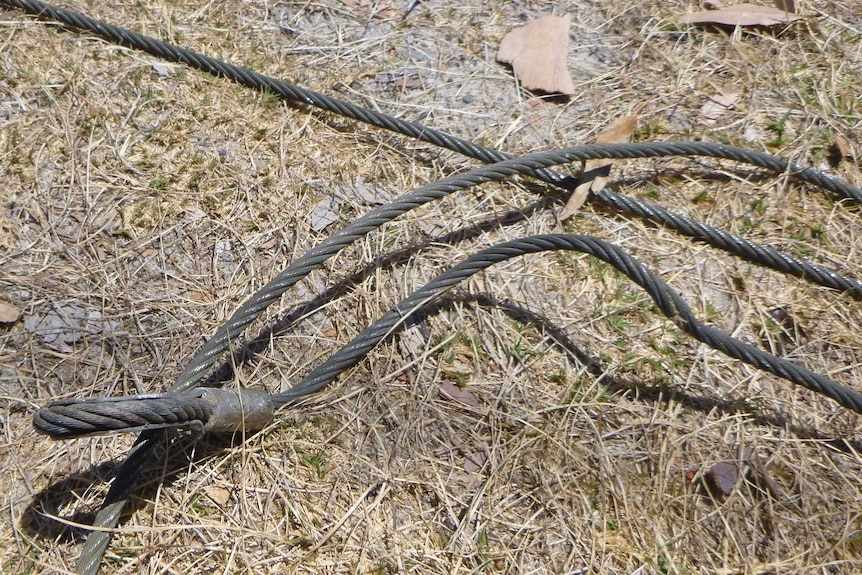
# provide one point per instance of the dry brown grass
(145, 209)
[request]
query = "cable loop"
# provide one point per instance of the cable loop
(203, 409)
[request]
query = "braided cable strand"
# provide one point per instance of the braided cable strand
(204, 410)
(250, 310)
(83, 417)
(668, 301)
(737, 245)
(289, 91)
(108, 516)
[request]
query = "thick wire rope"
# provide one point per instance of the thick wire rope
(83, 417)
(72, 418)
(668, 301)
(251, 309)
(289, 91)
(685, 225)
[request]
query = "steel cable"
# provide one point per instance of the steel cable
(83, 417)
(72, 418)
(668, 301)
(292, 92)
(739, 246)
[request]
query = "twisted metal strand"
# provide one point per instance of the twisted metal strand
(668, 301)
(204, 410)
(289, 91)
(737, 245)
(251, 309)
(97, 543)
(82, 417)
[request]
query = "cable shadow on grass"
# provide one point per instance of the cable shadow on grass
(639, 389)
(388, 261)
(174, 455)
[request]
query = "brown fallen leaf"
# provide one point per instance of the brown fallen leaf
(268, 244)
(742, 15)
(537, 54)
(329, 333)
(718, 104)
(452, 391)
(721, 479)
(202, 297)
(845, 152)
(595, 174)
(219, 495)
(9, 313)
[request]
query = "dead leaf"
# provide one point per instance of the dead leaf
(742, 15)
(475, 462)
(202, 297)
(618, 131)
(844, 150)
(595, 174)
(9, 313)
(718, 104)
(219, 495)
(537, 54)
(325, 213)
(721, 478)
(268, 244)
(451, 391)
(329, 333)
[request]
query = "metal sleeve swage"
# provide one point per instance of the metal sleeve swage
(204, 410)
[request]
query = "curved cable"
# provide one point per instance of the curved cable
(668, 301)
(226, 410)
(97, 543)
